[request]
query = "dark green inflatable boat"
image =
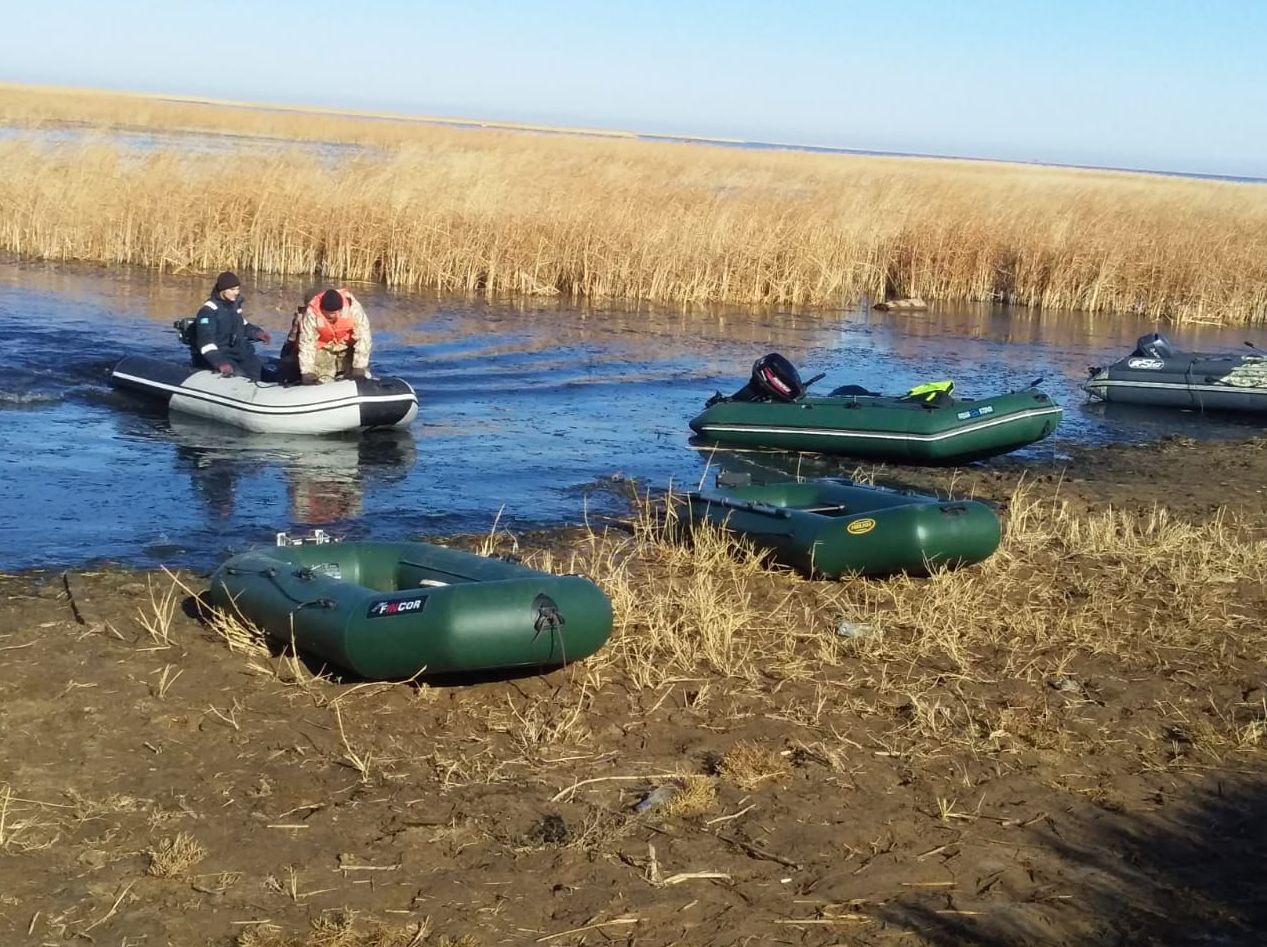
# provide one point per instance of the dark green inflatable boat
(829, 528)
(928, 425)
(396, 610)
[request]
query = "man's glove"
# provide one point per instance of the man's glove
(264, 337)
(357, 374)
(307, 379)
(225, 369)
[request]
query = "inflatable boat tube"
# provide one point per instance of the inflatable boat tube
(269, 408)
(396, 610)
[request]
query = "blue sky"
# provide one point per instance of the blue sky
(1165, 85)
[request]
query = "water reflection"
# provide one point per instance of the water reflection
(524, 406)
(325, 478)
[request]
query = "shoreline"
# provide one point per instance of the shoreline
(1056, 746)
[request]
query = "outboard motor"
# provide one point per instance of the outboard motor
(776, 377)
(1153, 345)
(185, 329)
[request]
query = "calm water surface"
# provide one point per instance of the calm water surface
(535, 410)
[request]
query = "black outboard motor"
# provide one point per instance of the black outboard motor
(1153, 345)
(774, 378)
(777, 378)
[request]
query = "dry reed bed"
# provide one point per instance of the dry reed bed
(1112, 583)
(1122, 595)
(505, 212)
(1140, 589)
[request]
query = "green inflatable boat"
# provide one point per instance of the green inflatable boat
(928, 425)
(396, 610)
(829, 528)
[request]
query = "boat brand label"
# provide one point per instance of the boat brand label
(327, 568)
(400, 606)
(1150, 363)
(975, 412)
(860, 527)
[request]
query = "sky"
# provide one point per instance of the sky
(1154, 84)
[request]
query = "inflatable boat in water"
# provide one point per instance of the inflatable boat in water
(1157, 374)
(267, 407)
(928, 425)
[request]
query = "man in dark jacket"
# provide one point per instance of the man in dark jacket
(223, 340)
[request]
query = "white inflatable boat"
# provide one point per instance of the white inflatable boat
(266, 407)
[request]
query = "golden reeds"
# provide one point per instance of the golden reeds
(495, 212)
(1126, 584)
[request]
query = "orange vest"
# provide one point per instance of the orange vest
(340, 329)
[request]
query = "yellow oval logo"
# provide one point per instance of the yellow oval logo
(859, 527)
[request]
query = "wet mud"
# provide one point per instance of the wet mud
(159, 787)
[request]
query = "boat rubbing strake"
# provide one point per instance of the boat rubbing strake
(926, 425)
(1157, 374)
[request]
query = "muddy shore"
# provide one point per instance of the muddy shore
(1025, 786)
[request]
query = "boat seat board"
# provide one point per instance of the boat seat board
(413, 575)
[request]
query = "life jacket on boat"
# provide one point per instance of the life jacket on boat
(336, 331)
(932, 392)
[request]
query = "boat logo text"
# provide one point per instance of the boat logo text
(860, 527)
(404, 606)
(975, 412)
(1153, 363)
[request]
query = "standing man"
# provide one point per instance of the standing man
(223, 340)
(332, 338)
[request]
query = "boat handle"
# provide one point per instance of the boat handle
(324, 603)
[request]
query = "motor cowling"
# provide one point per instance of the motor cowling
(1153, 345)
(774, 376)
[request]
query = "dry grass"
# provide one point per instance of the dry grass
(499, 212)
(695, 795)
(342, 929)
(174, 856)
(27, 825)
(1062, 583)
(749, 765)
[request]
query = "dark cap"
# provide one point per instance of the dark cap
(226, 280)
(331, 301)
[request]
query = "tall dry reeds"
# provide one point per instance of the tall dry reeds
(497, 212)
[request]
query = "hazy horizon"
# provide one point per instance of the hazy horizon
(1157, 86)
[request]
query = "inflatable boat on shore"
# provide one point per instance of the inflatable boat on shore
(928, 425)
(396, 610)
(1159, 375)
(266, 407)
(830, 528)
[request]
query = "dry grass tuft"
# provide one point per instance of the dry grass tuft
(175, 856)
(695, 795)
(157, 619)
(340, 929)
(748, 765)
(27, 825)
(238, 634)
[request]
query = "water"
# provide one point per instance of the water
(218, 143)
(537, 412)
(137, 143)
